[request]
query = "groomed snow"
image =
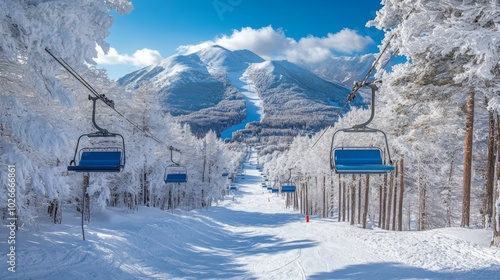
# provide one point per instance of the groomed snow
(254, 105)
(251, 237)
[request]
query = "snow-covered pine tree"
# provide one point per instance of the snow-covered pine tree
(452, 48)
(35, 134)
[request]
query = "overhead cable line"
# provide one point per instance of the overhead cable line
(102, 97)
(357, 86)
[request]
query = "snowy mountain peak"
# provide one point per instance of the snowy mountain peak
(207, 90)
(220, 58)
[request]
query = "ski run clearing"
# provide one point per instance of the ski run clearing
(251, 237)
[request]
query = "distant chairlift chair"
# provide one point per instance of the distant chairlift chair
(288, 188)
(175, 173)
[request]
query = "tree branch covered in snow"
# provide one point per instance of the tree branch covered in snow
(450, 47)
(45, 110)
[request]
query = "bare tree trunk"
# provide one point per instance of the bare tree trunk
(348, 201)
(359, 200)
(380, 203)
(384, 203)
(295, 201)
(87, 204)
(353, 199)
(469, 127)
(394, 210)
(447, 198)
(419, 198)
(401, 191)
(496, 211)
(389, 202)
(424, 207)
(367, 192)
(496, 214)
(84, 193)
(490, 171)
(145, 190)
(340, 198)
(55, 211)
(343, 201)
(324, 197)
(408, 216)
(332, 197)
(302, 198)
(307, 198)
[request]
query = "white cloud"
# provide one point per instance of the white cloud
(270, 43)
(140, 58)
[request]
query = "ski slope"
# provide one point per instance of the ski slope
(254, 105)
(251, 237)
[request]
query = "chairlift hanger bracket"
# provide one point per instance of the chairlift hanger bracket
(353, 153)
(171, 148)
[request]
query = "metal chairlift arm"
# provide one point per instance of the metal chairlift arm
(374, 89)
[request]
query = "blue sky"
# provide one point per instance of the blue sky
(275, 29)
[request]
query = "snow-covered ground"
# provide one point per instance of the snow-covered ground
(251, 237)
(255, 110)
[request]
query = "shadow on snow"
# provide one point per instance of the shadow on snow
(401, 271)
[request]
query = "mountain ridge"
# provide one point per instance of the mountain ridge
(195, 89)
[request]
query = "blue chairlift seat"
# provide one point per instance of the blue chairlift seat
(275, 190)
(225, 174)
(269, 188)
(360, 161)
(233, 188)
(176, 178)
(98, 161)
(287, 189)
(176, 174)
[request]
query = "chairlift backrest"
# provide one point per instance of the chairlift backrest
(176, 178)
(359, 161)
(288, 189)
(98, 158)
(358, 156)
(175, 174)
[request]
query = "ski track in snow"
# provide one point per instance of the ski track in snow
(254, 105)
(251, 237)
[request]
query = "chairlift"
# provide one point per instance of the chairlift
(288, 188)
(105, 155)
(225, 173)
(361, 160)
(175, 173)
